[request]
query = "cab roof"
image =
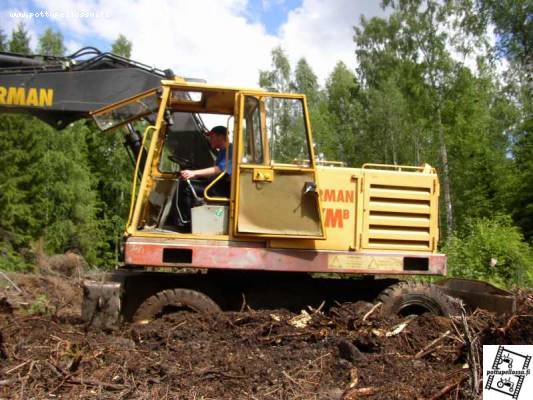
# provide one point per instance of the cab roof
(204, 98)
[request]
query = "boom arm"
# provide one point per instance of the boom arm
(61, 90)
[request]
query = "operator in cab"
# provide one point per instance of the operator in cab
(200, 178)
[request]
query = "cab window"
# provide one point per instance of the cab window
(252, 132)
(286, 131)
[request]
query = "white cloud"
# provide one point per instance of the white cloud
(10, 20)
(212, 39)
(322, 32)
(207, 39)
(72, 46)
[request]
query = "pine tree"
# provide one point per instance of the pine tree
(344, 111)
(47, 189)
(511, 21)
(51, 43)
(3, 43)
(122, 46)
(306, 82)
(112, 172)
(484, 178)
(20, 40)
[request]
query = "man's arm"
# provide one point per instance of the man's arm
(200, 173)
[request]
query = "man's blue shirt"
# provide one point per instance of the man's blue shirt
(221, 159)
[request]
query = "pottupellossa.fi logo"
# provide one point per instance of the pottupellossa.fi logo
(506, 372)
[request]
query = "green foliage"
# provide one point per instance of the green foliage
(279, 78)
(511, 20)
(422, 105)
(3, 43)
(46, 188)
(22, 150)
(68, 189)
(306, 82)
(40, 306)
(10, 259)
(285, 121)
(523, 202)
(105, 153)
(122, 46)
(20, 40)
(492, 250)
(484, 177)
(286, 127)
(339, 141)
(56, 185)
(389, 125)
(51, 43)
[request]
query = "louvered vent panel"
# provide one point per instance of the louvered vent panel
(398, 217)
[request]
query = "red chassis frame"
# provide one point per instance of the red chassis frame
(213, 254)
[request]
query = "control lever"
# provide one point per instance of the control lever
(185, 163)
(197, 200)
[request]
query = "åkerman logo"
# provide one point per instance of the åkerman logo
(506, 372)
(21, 96)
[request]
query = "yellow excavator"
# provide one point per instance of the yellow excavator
(291, 224)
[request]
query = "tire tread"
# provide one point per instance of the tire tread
(395, 296)
(193, 299)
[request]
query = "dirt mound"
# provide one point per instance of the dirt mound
(517, 329)
(347, 353)
(70, 264)
(42, 294)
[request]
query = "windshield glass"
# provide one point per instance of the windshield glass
(124, 112)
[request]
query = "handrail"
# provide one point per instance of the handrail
(426, 168)
(136, 173)
(207, 197)
(318, 161)
(223, 199)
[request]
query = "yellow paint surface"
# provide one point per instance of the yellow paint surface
(339, 195)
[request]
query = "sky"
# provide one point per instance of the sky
(221, 41)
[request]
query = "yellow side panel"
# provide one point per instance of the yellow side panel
(375, 210)
(338, 195)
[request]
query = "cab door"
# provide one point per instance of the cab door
(276, 181)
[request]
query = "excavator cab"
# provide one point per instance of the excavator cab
(273, 184)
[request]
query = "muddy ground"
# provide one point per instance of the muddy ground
(47, 353)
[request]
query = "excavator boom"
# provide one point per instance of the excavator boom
(61, 90)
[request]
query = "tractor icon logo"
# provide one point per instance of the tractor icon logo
(506, 359)
(506, 383)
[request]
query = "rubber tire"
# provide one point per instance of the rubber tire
(404, 294)
(155, 304)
